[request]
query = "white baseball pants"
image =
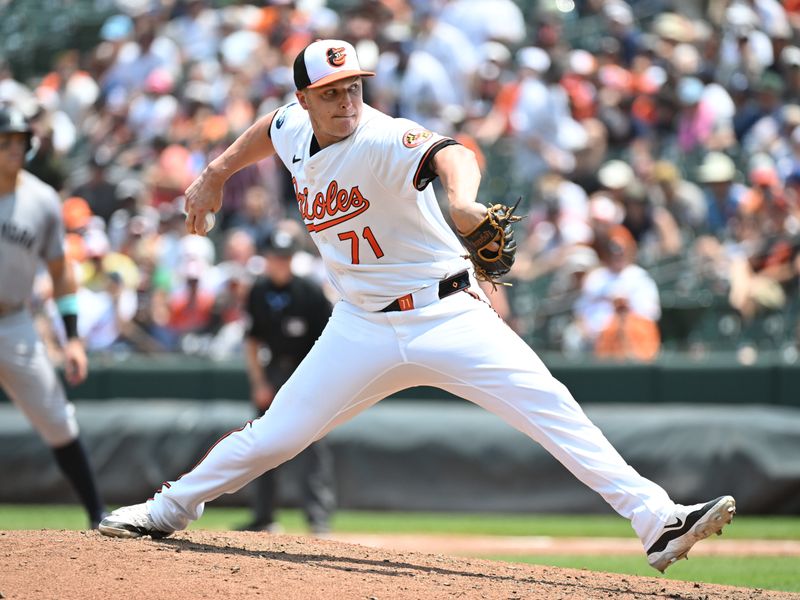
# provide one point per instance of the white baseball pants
(458, 344)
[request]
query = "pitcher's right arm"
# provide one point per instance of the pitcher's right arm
(204, 195)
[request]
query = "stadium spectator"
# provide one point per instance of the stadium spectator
(618, 308)
(655, 231)
(486, 20)
(409, 82)
(685, 100)
(98, 191)
(681, 198)
(190, 307)
(258, 215)
(450, 47)
(723, 194)
(76, 214)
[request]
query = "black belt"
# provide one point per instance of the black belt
(451, 285)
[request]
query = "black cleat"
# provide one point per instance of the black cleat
(131, 522)
(691, 524)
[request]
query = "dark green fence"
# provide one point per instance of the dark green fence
(718, 379)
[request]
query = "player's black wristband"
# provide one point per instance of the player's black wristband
(70, 325)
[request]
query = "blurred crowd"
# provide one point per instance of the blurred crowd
(656, 145)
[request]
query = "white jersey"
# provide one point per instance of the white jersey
(378, 226)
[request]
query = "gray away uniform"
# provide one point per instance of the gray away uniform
(31, 231)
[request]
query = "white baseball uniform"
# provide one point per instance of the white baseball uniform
(379, 229)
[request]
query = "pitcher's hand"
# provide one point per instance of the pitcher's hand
(204, 196)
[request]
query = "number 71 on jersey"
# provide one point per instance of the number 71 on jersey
(355, 242)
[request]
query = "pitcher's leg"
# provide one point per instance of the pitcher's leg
(545, 411)
(500, 372)
(347, 370)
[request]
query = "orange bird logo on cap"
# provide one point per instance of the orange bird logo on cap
(336, 56)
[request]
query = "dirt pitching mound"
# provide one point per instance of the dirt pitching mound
(233, 565)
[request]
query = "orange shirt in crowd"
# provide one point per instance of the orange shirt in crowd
(190, 312)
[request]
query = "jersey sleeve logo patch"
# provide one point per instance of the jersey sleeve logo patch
(282, 115)
(414, 137)
(281, 118)
(336, 56)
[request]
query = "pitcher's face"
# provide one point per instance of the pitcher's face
(334, 109)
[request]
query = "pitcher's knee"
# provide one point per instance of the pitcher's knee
(273, 452)
(550, 393)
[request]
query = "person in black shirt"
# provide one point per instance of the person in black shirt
(288, 314)
(98, 191)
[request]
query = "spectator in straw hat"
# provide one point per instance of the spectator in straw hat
(681, 198)
(615, 176)
(789, 65)
(723, 195)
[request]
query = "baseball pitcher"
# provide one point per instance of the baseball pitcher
(411, 312)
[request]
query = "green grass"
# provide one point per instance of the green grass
(777, 573)
(744, 527)
(768, 572)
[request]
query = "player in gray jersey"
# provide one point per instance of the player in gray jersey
(31, 231)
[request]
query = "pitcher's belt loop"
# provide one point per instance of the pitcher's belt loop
(451, 285)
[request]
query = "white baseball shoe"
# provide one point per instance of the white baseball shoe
(689, 525)
(131, 522)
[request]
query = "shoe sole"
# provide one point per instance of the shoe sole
(122, 530)
(717, 517)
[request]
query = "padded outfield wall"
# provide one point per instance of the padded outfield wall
(717, 378)
(727, 429)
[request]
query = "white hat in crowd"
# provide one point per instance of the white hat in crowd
(716, 168)
(604, 209)
(618, 11)
(495, 52)
(790, 56)
(582, 62)
(533, 58)
(615, 175)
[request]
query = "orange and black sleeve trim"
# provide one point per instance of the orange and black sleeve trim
(425, 172)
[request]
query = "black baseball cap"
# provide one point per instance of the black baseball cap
(281, 243)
